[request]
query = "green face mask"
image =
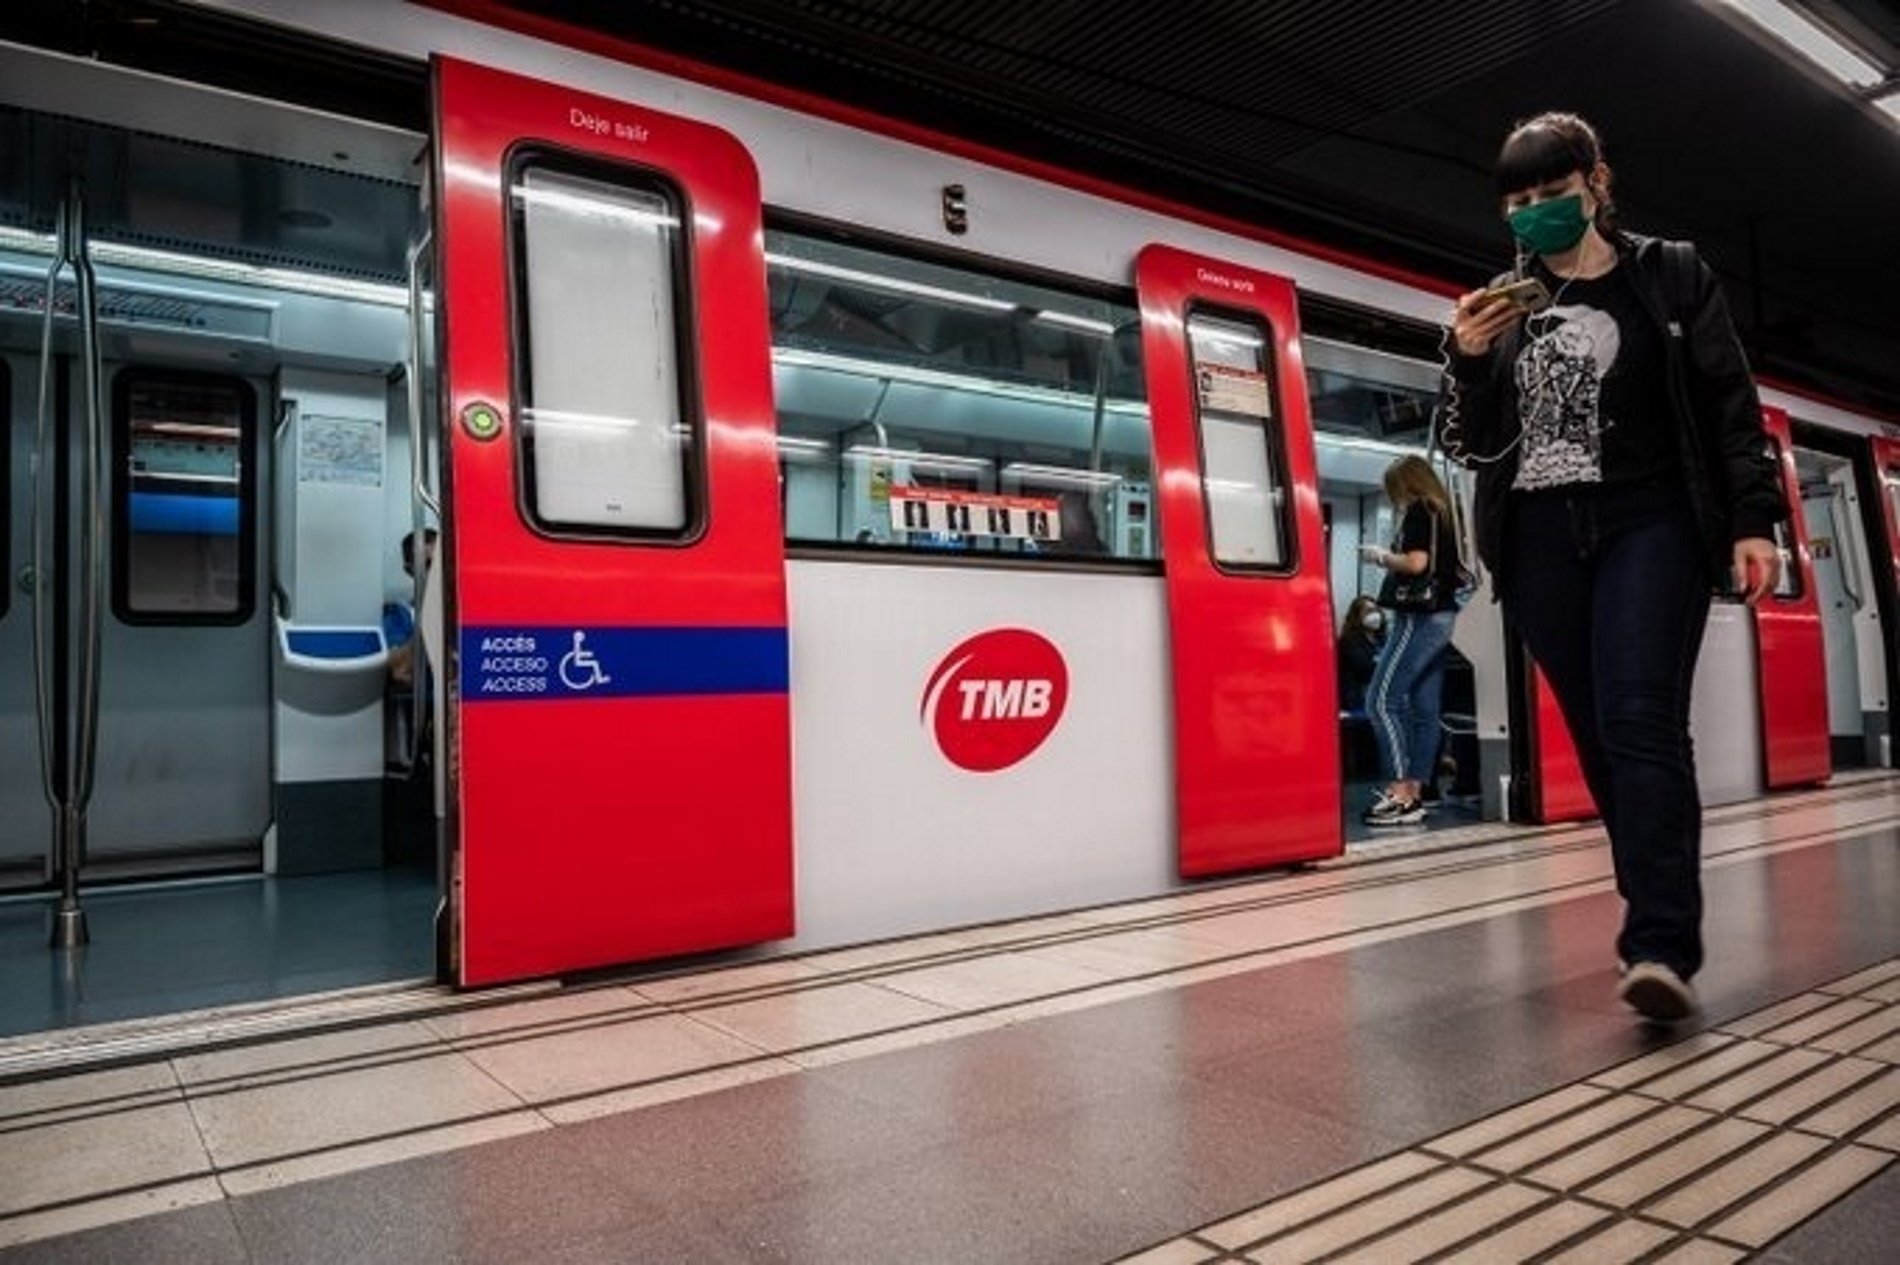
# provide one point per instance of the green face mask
(1550, 228)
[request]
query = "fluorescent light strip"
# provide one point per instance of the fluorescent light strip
(800, 443)
(1889, 105)
(1814, 42)
(1087, 324)
(882, 282)
(1062, 474)
(1384, 448)
(921, 460)
(795, 358)
(170, 263)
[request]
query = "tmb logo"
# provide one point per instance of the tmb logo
(996, 698)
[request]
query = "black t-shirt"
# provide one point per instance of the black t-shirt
(1592, 389)
(1416, 535)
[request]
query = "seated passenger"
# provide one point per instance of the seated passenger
(399, 619)
(1360, 635)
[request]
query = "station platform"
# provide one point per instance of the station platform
(1406, 1055)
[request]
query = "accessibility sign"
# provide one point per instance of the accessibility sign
(526, 663)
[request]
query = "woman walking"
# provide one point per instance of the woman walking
(1420, 594)
(1622, 471)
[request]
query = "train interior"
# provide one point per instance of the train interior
(260, 819)
(1858, 708)
(1370, 408)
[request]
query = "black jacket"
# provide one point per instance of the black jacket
(1734, 486)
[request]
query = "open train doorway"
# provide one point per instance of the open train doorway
(1370, 409)
(218, 526)
(1849, 553)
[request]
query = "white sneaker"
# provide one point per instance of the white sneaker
(1656, 993)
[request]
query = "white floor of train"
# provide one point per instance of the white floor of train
(1285, 1068)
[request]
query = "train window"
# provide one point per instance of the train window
(605, 402)
(931, 408)
(1893, 496)
(184, 518)
(1240, 447)
(1367, 393)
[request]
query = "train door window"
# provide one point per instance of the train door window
(1893, 494)
(1240, 441)
(605, 405)
(184, 504)
(943, 409)
(1788, 585)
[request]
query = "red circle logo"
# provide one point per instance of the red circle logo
(996, 698)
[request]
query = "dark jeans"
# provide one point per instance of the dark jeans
(1609, 590)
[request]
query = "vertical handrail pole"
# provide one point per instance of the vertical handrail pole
(69, 920)
(44, 593)
(420, 497)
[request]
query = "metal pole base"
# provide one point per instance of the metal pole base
(69, 928)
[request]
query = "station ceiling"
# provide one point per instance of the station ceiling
(1363, 124)
(1372, 125)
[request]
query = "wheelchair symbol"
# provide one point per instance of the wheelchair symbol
(580, 670)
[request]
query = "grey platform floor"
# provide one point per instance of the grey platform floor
(1086, 1135)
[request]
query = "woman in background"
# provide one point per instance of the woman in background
(1420, 599)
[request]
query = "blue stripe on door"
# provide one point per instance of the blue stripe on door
(526, 663)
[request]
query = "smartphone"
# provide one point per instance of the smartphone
(1528, 295)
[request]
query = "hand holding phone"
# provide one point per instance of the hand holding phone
(1527, 295)
(1484, 314)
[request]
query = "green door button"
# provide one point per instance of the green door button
(481, 421)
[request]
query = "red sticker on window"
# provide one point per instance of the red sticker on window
(996, 698)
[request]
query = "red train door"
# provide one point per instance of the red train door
(1887, 479)
(620, 725)
(1559, 792)
(1250, 619)
(1794, 730)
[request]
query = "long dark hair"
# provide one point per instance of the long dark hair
(1550, 147)
(1411, 481)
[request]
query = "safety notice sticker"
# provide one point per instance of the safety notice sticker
(1225, 389)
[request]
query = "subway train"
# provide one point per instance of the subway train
(818, 529)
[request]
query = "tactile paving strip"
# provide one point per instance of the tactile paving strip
(1707, 1150)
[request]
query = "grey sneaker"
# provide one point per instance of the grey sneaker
(1656, 993)
(1387, 811)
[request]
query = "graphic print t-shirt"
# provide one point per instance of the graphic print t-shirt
(1592, 396)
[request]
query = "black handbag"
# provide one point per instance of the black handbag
(1415, 593)
(1425, 592)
